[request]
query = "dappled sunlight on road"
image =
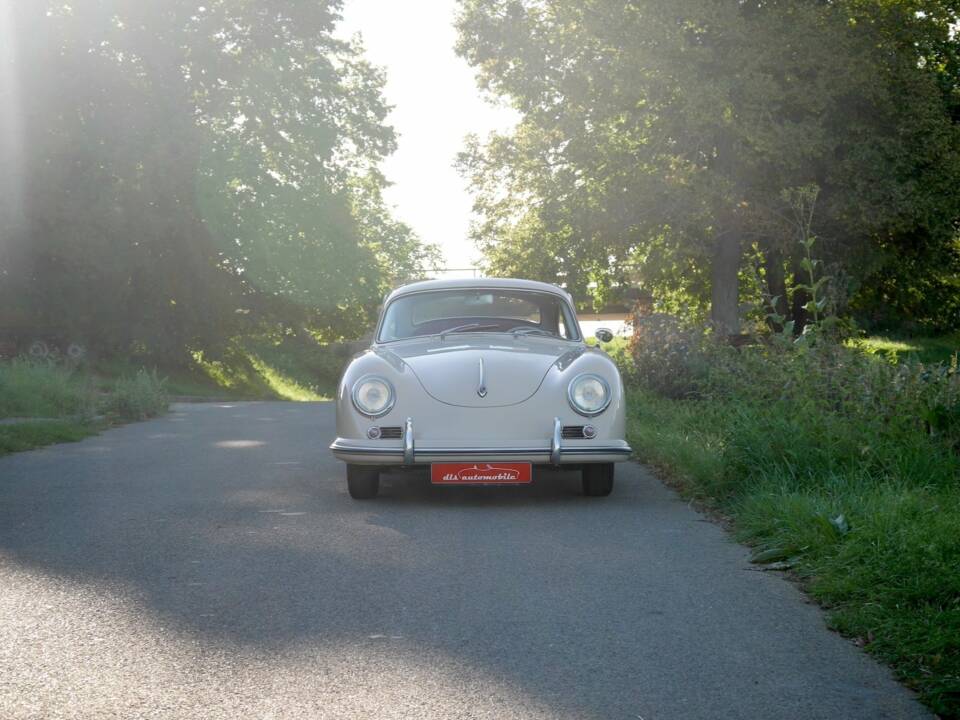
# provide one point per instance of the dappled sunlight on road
(238, 444)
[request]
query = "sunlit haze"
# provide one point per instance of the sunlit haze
(436, 103)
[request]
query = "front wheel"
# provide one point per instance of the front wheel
(363, 481)
(597, 479)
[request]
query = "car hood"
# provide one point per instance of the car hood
(513, 368)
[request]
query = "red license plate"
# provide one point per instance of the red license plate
(481, 473)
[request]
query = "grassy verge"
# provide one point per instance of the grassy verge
(281, 366)
(189, 381)
(277, 366)
(62, 404)
(838, 465)
(41, 390)
(284, 367)
(31, 435)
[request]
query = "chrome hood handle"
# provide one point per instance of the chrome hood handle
(482, 387)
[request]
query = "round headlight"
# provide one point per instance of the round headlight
(373, 396)
(589, 394)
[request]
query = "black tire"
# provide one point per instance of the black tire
(597, 479)
(363, 481)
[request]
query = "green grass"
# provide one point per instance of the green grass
(923, 349)
(279, 366)
(618, 348)
(265, 367)
(183, 381)
(63, 404)
(34, 390)
(879, 548)
(30, 435)
(284, 367)
(285, 386)
(136, 397)
(838, 463)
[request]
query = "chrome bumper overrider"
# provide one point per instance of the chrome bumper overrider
(555, 454)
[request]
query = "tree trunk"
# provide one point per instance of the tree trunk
(776, 282)
(725, 288)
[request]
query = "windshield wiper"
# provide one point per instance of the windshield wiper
(530, 331)
(467, 327)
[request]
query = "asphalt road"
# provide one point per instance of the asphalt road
(210, 564)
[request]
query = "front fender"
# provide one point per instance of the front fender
(612, 422)
(350, 423)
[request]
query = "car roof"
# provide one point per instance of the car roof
(479, 284)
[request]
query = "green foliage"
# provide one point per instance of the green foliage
(926, 349)
(919, 292)
(619, 351)
(30, 435)
(137, 397)
(179, 380)
(70, 402)
(658, 137)
(804, 200)
(45, 390)
(282, 365)
(178, 174)
(838, 464)
(313, 366)
(35, 390)
(664, 355)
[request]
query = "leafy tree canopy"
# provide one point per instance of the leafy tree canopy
(182, 169)
(658, 137)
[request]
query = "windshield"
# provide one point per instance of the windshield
(462, 311)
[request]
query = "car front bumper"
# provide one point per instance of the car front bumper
(408, 452)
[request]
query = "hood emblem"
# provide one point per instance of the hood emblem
(482, 387)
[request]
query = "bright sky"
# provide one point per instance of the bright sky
(436, 103)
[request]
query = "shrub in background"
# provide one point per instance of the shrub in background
(803, 380)
(137, 397)
(665, 356)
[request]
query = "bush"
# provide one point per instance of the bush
(819, 385)
(666, 356)
(138, 397)
(42, 389)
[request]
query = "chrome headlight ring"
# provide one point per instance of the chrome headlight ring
(587, 377)
(368, 410)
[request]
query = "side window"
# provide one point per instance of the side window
(389, 331)
(567, 324)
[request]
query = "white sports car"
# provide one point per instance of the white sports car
(479, 381)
